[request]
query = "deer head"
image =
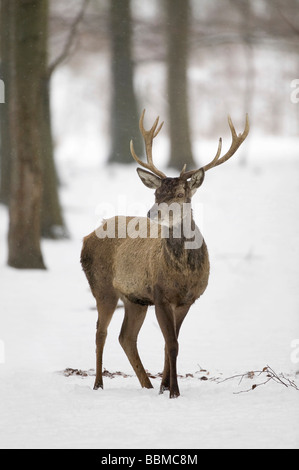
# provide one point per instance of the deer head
(177, 190)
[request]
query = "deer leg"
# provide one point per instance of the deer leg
(180, 314)
(166, 319)
(133, 320)
(106, 309)
(165, 384)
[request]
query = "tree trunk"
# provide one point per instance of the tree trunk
(5, 47)
(52, 222)
(177, 23)
(27, 71)
(124, 114)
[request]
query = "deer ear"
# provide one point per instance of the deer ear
(196, 180)
(149, 179)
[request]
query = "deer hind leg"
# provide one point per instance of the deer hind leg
(179, 314)
(106, 307)
(133, 321)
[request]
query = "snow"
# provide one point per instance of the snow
(247, 318)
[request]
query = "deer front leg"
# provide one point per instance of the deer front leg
(165, 384)
(179, 314)
(105, 311)
(166, 320)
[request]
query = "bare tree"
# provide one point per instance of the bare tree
(27, 68)
(124, 113)
(52, 221)
(51, 213)
(5, 51)
(177, 24)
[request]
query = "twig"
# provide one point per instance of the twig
(270, 375)
(267, 372)
(289, 23)
(69, 42)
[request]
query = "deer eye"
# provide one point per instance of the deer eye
(181, 195)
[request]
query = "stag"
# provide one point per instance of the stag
(169, 270)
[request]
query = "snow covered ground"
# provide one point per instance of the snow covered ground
(248, 318)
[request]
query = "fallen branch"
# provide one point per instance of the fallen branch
(70, 372)
(266, 372)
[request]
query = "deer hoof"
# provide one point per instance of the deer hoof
(98, 385)
(163, 388)
(174, 394)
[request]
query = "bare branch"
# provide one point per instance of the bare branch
(269, 373)
(69, 42)
(289, 23)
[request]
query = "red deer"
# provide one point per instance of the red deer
(160, 270)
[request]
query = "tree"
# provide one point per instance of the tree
(27, 68)
(124, 114)
(52, 222)
(177, 24)
(5, 51)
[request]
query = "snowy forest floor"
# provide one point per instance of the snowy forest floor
(248, 318)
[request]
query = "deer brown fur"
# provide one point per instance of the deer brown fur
(146, 270)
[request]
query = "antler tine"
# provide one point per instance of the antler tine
(152, 132)
(215, 159)
(237, 140)
(206, 167)
(183, 171)
(148, 137)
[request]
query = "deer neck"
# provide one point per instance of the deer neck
(183, 244)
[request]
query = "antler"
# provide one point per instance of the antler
(236, 142)
(148, 137)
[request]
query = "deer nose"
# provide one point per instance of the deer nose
(151, 214)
